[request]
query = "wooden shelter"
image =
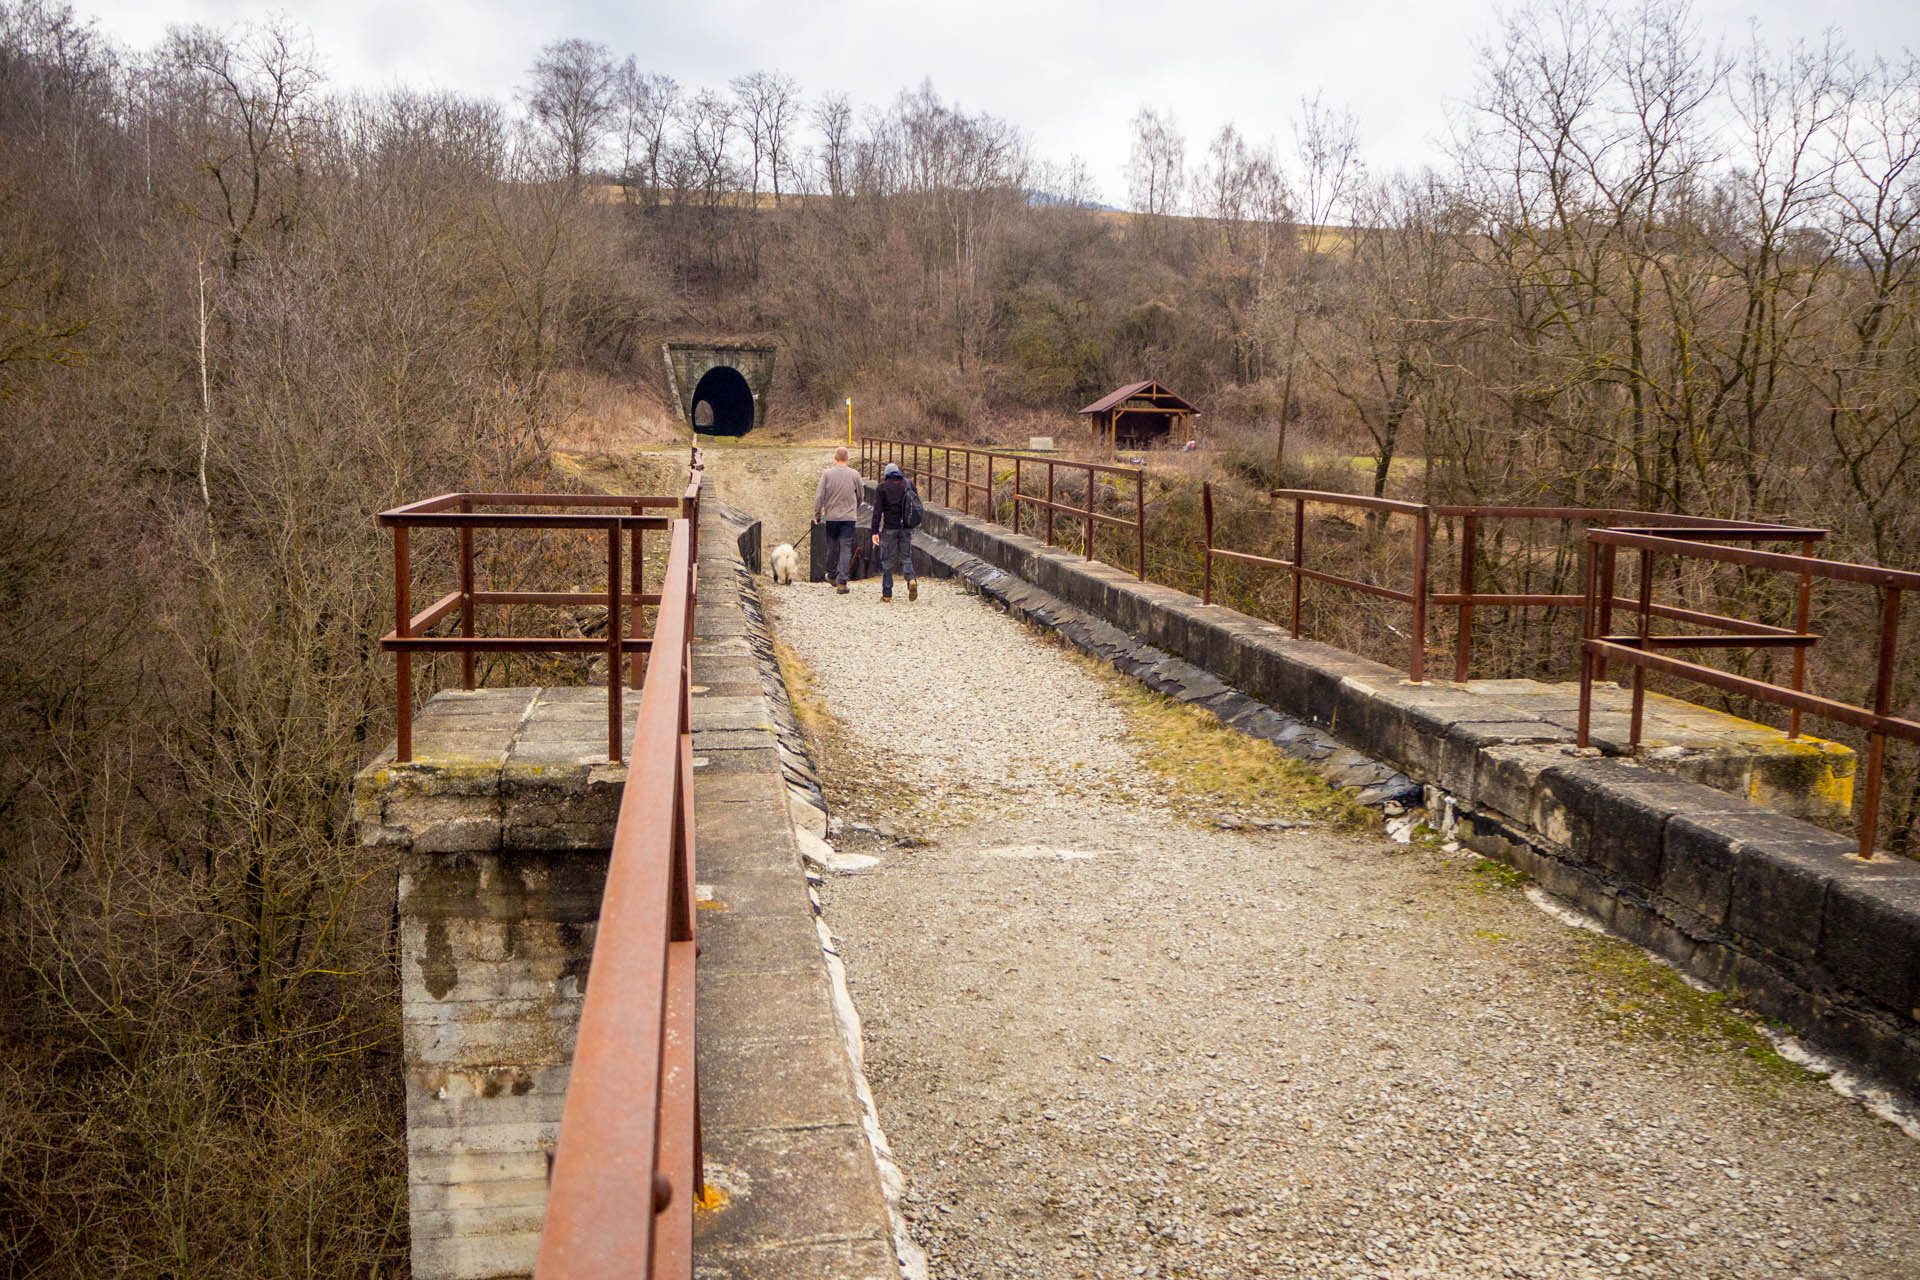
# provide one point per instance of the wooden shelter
(1139, 415)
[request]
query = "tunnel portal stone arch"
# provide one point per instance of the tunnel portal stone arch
(719, 388)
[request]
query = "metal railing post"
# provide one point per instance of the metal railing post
(1588, 618)
(1299, 557)
(1605, 603)
(1463, 641)
(1049, 502)
(1140, 525)
(402, 660)
(1089, 531)
(636, 612)
(1645, 629)
(1802, 617)
(1417, 668)
(466, 595)
(1882, 704)
(615, 631)
(1206, 544)
(1016, 493)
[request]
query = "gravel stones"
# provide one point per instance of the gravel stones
(1250, 1052)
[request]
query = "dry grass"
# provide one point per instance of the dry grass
(601, 414)
(1220, 769)
(809, 707)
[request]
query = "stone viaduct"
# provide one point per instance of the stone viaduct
(501, 829)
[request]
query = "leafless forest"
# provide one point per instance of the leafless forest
(242, 310)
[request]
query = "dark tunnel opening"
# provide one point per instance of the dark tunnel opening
(723, 403)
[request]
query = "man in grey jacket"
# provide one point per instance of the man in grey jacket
(836, 504)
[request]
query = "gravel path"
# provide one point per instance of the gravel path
(1106, 1042)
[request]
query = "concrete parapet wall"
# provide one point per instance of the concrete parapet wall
(500, 828)
(1747, 898)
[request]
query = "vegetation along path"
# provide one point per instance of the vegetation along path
(1142, 1000)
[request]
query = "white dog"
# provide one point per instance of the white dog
(784, 562)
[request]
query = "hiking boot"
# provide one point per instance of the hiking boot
(886, 599)
(841, 588)
(913, 589)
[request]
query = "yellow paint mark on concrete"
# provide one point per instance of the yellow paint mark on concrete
(710, 1198)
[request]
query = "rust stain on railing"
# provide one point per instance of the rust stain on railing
(1419, 594)
(627, 1167)
(581, 513)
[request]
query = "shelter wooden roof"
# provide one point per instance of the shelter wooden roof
(1159, 395)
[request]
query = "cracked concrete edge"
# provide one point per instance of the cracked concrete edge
(798, 773)
(893, 1183)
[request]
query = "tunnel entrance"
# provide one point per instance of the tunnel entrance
(723, 403)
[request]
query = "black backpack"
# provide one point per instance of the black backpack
(910, 509)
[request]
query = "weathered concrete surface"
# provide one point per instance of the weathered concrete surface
(500, 826)
(785, 1142)
(1742, 896)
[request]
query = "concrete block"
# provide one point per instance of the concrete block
(1697, 866)
(493, 1256)
(1780, 885)
(754, 1085)
(1506, 775)
(496, 1193)
(1870, 932)
(1623, 812)
(834, 1260)
(463, 1168)
(835, 1164)
(731, 943)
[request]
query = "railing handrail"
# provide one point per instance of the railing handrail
(1638, 648)
(908, 454)
(611, 514)
(1665, 526)
(627, 1164)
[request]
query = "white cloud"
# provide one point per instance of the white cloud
(1070, 73)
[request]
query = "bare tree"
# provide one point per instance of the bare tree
(1156, 164)
(769, 103)
(832, 118)
(574, 100)
(1328, 159)
(647, 104)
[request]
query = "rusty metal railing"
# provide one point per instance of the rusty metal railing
(1421, 598)
(626, 1170)
(1415, 596)
(627, 1165)
(918, 461)
(1643, 650)
(623, 597)
(1471, 518)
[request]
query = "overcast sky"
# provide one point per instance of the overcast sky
(1070, 73)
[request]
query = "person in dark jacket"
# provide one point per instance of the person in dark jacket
(891, 535)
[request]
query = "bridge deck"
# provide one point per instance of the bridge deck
(1107, 1038)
